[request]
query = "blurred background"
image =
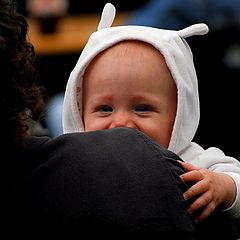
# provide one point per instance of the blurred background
(60, 28)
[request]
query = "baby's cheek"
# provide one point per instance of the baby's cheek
(95, 124)
(160, 137)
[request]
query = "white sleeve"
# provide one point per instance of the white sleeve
(234, 210)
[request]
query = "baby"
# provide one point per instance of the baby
(144, 78)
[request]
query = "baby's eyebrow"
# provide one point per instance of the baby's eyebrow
(102, 98)
(145, 97)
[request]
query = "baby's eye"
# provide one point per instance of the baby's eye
(105, 108)
(142, 108)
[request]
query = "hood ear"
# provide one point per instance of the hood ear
(196, 29)
(108, 15)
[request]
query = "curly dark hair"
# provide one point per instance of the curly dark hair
(21, 96)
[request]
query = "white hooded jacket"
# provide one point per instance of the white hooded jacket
(179, 59)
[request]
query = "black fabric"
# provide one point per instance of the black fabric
(218, 226)
(113, 184)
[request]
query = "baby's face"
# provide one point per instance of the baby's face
(129, 85)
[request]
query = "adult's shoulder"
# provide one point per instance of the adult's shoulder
(114, 145)
(101, 181)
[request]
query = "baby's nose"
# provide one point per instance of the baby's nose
(122, 119)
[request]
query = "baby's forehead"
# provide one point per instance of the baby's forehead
(132, 48)
(133, 45)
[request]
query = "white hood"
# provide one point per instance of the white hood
(178, 56)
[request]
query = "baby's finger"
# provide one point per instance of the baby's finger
(202, 201)
(193, 176)
(206, 212)
(188, 166)
(195, 190)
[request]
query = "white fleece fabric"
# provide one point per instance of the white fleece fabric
(179, 59)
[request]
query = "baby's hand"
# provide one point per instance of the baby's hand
(212, 189)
